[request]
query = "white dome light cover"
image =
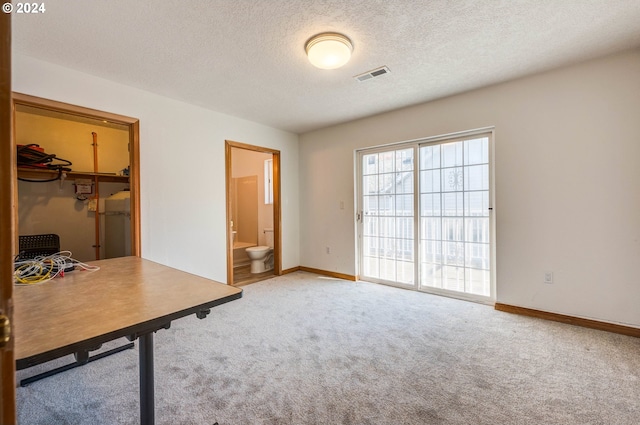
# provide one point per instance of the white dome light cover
(329, 50)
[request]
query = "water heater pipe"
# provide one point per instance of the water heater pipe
(97, 196)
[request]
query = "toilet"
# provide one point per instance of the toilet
(262, 256)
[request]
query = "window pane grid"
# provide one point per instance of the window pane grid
(388, 208)
(454, 194)
(450, 183)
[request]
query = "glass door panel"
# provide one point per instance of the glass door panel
(388, 241)
(455, 252)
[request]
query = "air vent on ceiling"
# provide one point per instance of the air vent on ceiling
(372, 74)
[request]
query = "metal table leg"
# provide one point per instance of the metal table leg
(81, 359)
(147, 408)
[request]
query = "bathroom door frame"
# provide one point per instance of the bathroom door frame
(277, 236)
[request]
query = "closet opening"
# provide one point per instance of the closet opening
(77, 179)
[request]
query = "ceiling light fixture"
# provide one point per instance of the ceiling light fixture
(328, 50)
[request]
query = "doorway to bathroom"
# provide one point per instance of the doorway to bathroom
(253, 213)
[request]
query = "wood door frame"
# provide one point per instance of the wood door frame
(133, 124)
(7, 223)
(277, 219)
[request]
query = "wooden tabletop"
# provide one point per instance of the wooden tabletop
(127, 295)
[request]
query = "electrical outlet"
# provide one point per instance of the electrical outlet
(92, 205)
(328, 250)
(548, 277)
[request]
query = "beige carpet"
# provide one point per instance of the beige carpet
(300, 349)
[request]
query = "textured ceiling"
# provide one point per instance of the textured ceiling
(246, 57)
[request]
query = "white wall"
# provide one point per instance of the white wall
(182, 165)
(567, 172)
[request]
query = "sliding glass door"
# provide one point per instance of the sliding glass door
(425, 216)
